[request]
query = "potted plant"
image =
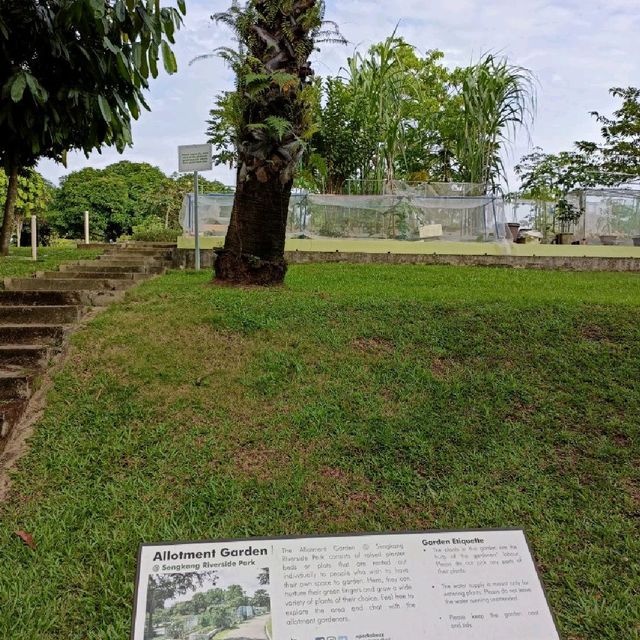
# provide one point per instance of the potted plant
(514, 229)
(608, 240)
(567, 215)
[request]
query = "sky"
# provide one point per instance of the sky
(577, 50)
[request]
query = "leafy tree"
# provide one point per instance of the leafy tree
(341, 140)
(34, 197)
(621, 133)
(224, 127)
(235, 596)
(273, 103)
(402, 115)
(215, 596)
(549, 177)
(143, 182)
(261, 598)
(120, 197)
(199, 603)
(105, 196)
(163, 587)
(185, 184)
(221, 618)
(72, 74)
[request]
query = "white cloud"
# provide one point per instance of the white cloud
(576, 48)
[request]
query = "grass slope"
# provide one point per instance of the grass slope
(356, 398)
(19, 264)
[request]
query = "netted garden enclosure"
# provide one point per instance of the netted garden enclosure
(400, 211)
(610, 215)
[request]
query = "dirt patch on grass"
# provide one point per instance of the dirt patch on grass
(443, 368)
(374, 346)
(567, 460)
(342, 492)
(633, 491)
(265, 463)
(595, 333)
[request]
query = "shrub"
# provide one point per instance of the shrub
(152, 230)
(156, 235)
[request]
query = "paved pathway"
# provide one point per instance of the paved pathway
(250, 630)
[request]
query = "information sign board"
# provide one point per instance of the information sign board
(195, 157)
(469, 585)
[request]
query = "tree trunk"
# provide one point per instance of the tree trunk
(151, 603)
(277, 37)
(254, 247)
(19, 222)
(9, 210)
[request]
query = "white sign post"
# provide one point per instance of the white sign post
(195, 158)
(449, 585)
(86, 227)
(34, 238)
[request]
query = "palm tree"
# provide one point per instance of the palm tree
(274, 121)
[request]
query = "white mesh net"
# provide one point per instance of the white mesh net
(612, 216)
(407, 214)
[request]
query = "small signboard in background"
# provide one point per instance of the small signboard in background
(195, 158)
(469, 585)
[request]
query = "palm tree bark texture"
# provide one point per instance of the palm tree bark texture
(273, 78)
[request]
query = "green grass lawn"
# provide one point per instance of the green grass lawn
(19, 263)
(355, 398)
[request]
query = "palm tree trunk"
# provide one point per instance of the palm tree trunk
(278, 38)
(254, 247)
(9, 210)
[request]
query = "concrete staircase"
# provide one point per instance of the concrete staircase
(38, 313)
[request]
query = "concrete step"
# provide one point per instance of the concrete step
(92, 275)
(94, 245)
(116, 258)
(70, 284)
(153, 252)
(47, 298)
(10, 412)
(144, 267)
(87, 266)
(51, 335)
(130, 262)
(15, 383)
(59, 298)
(150, 245)
(40, 314)
(32, 356)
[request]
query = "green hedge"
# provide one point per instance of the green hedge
(156, 235)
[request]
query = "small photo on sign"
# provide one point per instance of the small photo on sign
(200, 605)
